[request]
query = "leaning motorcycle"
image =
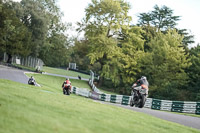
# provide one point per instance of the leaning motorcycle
(67, 89)
(31, 82)
(138, 96)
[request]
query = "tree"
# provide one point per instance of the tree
(55, 52)
(42, 18)
(14, 36)
(194, 74)
(165, 65)
(162, 19)
(188, 38)
(108, 32)
(79, 54)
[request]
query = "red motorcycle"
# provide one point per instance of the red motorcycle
(66, 89)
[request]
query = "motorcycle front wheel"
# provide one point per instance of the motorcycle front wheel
(142, 101)
(131, 102)
(66, 91)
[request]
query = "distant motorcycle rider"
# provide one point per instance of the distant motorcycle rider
(66, 86)
(31, 81)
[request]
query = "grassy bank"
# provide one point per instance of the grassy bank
(30, 109)
(73, 74)
(64, 72)
(54, 84)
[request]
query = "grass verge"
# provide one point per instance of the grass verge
(64, 72)
(54, 84)
(25, 108)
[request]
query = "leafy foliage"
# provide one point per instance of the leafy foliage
(166, 63)
(14, 36)
(163, 19)
(194, 73)
(109, 35)
(34, 27)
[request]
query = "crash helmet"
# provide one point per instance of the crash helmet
(144, 78)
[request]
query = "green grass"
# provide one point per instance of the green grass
(73, 74)
(29, 109)
(64, 72)
(54, 84)
(108, 92)
(24, 67)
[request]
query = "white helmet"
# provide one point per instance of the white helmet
(144, 78)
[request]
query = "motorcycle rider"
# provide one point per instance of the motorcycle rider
(31, 81)
(140, 84)
(66, 84)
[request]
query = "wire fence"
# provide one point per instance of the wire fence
(26, 61)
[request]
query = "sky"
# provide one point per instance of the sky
(189, 10)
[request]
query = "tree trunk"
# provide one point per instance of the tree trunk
(9, 59)
(101, 79)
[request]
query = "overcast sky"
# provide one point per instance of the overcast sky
(189, 10)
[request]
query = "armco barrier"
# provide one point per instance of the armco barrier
(198, 108)
(156, 104)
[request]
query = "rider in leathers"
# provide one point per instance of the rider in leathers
(142, 82)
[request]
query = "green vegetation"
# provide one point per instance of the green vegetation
(25, 108)
(38, 32)
(162, 18)
(64, 72)
(107, 91)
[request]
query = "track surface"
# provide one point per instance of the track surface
(189, 121)
(13, 74)
(194, 122)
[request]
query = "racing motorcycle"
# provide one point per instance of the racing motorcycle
(31, 81)
(138, 96)
(67, 89)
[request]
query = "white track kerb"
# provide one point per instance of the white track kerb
(166, 105)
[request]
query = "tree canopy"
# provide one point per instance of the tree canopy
(162, 18)
(33, 27)
(109, 35)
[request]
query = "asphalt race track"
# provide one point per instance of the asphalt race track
(13, 74)
(194, 122)
(189, 121)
